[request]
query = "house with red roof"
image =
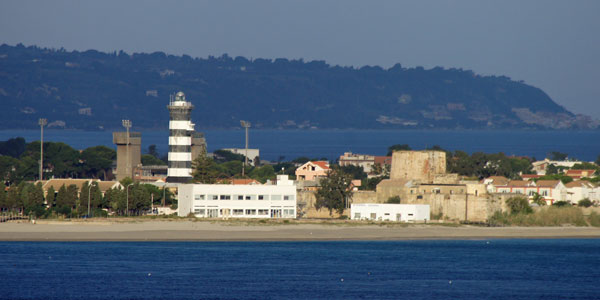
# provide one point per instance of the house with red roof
(578, 174)
(312, 170)
(550, 190)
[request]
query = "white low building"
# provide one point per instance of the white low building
(238, 201)
(390, 212)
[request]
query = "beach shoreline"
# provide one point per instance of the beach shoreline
(186, 230)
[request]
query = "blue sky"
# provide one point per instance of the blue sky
(554, 45)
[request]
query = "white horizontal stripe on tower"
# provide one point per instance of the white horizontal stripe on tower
(180, 141)
(180, 156)
(177, 172)
(185, 125)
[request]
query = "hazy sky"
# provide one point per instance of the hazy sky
(554, 45)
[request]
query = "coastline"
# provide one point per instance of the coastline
(155, 230)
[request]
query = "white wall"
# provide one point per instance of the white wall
(221, 200)
(390, 212)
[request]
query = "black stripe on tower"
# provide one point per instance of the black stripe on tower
(180, 115)
(179, 132)
(175, 164)
(180, 148)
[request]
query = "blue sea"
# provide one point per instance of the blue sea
(473, 269)
(290, 144)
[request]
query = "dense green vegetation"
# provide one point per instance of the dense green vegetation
(96, 90)
(70, 202)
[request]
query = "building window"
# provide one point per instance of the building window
(199, 211)
(275, 197)
(225, 197)
(373, 216)
(263, 197)
(289, 197)
(263, 212)
(288, 212)
(213, 197)
(410, 215)
(419, 197)
(238, 197)
(199, 197)
(238, 212)
(357, 216)
(250, 197)
(251, 212)
(412, 191)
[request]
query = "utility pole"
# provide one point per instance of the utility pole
(128, 170)
(42, 122)
(246, 125)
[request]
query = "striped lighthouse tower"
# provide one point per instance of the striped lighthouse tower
(181, 130)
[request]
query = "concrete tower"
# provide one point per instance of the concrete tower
(181, 130)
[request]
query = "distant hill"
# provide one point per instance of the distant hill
(94, 90)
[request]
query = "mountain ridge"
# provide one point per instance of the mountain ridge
(94, 90)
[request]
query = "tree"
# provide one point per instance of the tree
(3, 205)
(538, 199)
(149, 160)
(355, 171)
(555, 155)
(585, 166)
(334, 192)
(205, 169)
(97, 160)
(263, 173)
(585, 202)
(50, 197)
(393, 200)
(518, 205)
(397, 147)
(152, 151)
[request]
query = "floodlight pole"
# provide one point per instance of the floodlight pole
(246, 125)
(42, 122)
(128, 170)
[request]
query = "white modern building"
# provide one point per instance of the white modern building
(238, 201)
(390, 212)
(252, 154)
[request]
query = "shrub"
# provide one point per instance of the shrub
(393, 200)
(549, 216)
(594, 219)
(518, 205)
(561, 204)
(584, 202)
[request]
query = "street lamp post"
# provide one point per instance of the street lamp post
(246, 125)
(42, 122)
(89, 194)
(127, 125)
(128, 197)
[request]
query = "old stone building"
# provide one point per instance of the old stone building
(420, 177)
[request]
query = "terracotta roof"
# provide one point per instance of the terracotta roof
(580, 173)
(58, 183)
(579, 183)
(530, 176)
(322, 164)
(518, 183)
(547, 183)
(383, 160)
(243, 181)
(499, 180)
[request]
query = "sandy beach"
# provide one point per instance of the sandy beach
(154, 230)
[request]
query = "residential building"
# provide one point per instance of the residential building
(312, 170)
(369, 163)
(578, 174)
(58, 183)
(253, 154)
(551, 190)
(541, 166)
(390, 212)
(581, 189)
(238, 201)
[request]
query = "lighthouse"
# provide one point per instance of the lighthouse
(181, 130)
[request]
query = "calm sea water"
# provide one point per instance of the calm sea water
(493, 269)
(331, 144)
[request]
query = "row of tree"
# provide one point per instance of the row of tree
(69, 201)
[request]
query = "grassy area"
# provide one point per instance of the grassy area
(547, 216)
